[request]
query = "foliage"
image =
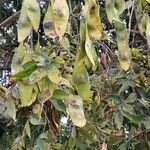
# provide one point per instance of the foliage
(93, 70)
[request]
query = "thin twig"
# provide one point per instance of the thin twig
(137, 135)
(9, 47)
(70, 7)
(10, 19)
(130, 20)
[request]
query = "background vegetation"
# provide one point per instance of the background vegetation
(75, 74)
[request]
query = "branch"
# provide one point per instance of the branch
(10, 47)
(13, 17)
(10, 19)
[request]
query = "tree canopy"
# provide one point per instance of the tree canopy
(75, 74)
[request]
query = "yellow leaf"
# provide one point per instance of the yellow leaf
(33, 11)
(60, 16)
(120, 6)
(55, 77)
(148, 36)
(17, 60)
(81, 52)
(24, 24)
(30, 16)
(37, 109)
(64, 41)
(89, 48)
(3, 91)
(75, 110)
(46, 87)
(109, 6)
(25, 92)
(48, 23)
(92, 17)
(125, 61)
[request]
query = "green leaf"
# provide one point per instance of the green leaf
(36, 120)
(82, 31)
(63, 81)
(57, 146)
(59, 94)
(65, 43)
(37, 75)
(59, 105)
(123, 146)
(128, 108)
(27, 129)
(25, 70)
(46, 88)
(146, 122)
(45, 84)
(25, 92)
(124, 86)
(25, 73)
(120, 6)
(71, 143)
(123, 47)
(118, 120)
(41, 145)
(10, 108)
(44, 135)
(106, 131)
(131, 98)
(132, 117)
(29, 65)
(54, 76)
(81, 82)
